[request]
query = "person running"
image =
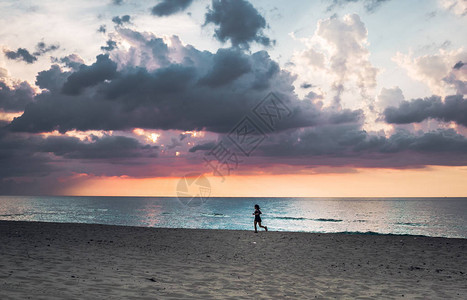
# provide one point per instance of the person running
(257, 214)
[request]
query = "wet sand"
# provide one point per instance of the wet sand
(79, 261)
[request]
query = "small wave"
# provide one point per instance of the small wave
(214, 215)
(290, 218)
(362, 232)
(48, 213)
(11, 215)
(378, 233)
(301, 218)
(409, 224)
(327, 220)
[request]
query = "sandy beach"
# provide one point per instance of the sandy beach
(79, 261)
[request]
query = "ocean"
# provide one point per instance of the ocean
(436, 217)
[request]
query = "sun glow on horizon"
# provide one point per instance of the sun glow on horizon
(434, 181)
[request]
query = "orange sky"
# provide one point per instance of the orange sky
(433, 181)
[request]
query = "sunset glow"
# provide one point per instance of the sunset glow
(431, 182)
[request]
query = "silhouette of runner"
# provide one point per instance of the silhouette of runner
(257, 214)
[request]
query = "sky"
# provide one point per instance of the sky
(339, 98)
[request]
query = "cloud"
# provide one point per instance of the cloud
(18, 160)
(389, 97)
(36, 156)
(458, 7)
(458, 65)
(237, 21)
(73, 61)
(453, 109)
(147, 51)
(370, 5)
(437, 70)
(117, 2)
(174, 142)
(228, 65)
(20, 54)
(203, 146)
(185, 94)
(106, 147)
(42, 48)
(87, 76)
(121, 20)
(111, 45)
(186, 90)
(102, 29)
(337, 58)
(170, 7)
(349, 145)
(14, 96)
(52, 79)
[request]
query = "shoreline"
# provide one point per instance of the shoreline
(364, 233)
(78, 260)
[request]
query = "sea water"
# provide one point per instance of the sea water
(438, 217)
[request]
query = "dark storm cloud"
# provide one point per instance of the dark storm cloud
(30, 187)
(264, 71)
(170, 7)
(14, 98)
(87, 76)
(106, 147)
(441, 140)
(22, 155)
(454, 108)
(20, 54)
(370, 5)
(458, 65)
(52, 79)
(19, 165)
(207, 91)
(228, 65)
(111, 45)
(18, 157)
(348, 144)
(121, 20)
(39, 161)
(237, 21)
(152, 87)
